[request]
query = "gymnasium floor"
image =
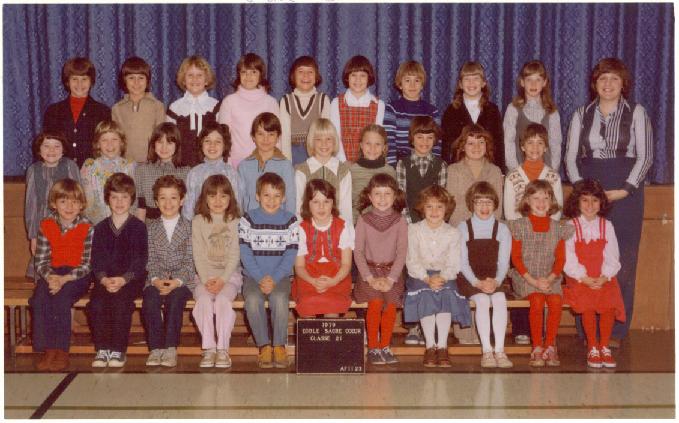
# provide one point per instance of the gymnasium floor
(642, 386)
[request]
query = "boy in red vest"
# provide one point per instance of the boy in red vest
(62, 263)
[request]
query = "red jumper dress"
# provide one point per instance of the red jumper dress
(320, 244)
(591, 255)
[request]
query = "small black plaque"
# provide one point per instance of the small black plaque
(330, 346)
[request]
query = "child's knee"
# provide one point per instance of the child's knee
(279, 299)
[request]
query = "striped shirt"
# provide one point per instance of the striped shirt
(397, 117)
(605, 140)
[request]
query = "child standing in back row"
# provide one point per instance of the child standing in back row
(239, 109)
(352, 110)
(301, 107)
(533, 104)
(409, 80)
(381, 248)
(538, 255)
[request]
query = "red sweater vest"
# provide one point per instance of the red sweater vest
(323, 243)
(67, 248)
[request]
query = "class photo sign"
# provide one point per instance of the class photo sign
(330, 346)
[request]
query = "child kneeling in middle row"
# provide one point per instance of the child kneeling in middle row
(433, 263)
(268, 238)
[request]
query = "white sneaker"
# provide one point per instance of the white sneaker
(522, 339)
(116, 359)
(502, 360)
(488, 360)
(208, 359)
(154, 357)
(101, 359)
(223, 360)
(169, 358)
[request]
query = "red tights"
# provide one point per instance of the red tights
(537, 306)
(382, 321)
(606, 321)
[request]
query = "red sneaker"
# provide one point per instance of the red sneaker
(594, 358)
(607, 359)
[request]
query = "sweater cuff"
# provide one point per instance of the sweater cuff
(631, 189)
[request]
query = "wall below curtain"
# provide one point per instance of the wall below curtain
(568, 38)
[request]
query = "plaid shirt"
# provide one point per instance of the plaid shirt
(145, 175)
(43, 252)
(422, 163)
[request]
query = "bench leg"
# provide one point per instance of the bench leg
(22, 316)
(12, 330)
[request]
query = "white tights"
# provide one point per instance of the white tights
(483, 302)
(441, 322)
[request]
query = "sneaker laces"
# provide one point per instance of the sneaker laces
(102, 355)
(594, 352)
(115, 355)
(606, 351)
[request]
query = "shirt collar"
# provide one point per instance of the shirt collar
(277, 155)
(314, 164)
(416, 159)
(363, 101)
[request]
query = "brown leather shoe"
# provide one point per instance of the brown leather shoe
(429, 357)
(60, 361)
(442, 359)
(45, 360)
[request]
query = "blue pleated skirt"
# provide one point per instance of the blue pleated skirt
(421, 301)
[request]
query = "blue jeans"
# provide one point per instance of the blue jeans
(52, 313)
(279, 304)
(161, 335)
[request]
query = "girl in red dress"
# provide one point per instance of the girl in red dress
(322, 282)
(592, 262)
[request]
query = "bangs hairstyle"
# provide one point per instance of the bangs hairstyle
(474, 131)
(610, 65)
(319, 128)
(41, 137)
(271, 179)
(304, 61)
(531, 68)
(410, 67)
(423, 125)
(379, 130)
(586, 187)
(169, 181)
(222, 130)
(481, 190)
(469, 69)
(312, 187)
(171, 133)
(382, 180)
(212, 185)
(358, 64)
(78, 66)
(251, 61)
(120, 183)
(134, 65)
(535, 130)
(533, 187)
(268, 121)
(66, 188)
(436, 193)
(200, 63)
(102, 128)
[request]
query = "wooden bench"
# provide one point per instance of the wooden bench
(19, 290)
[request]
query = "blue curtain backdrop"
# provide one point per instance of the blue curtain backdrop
(568, 38)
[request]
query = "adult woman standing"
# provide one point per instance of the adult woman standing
(611, 139)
